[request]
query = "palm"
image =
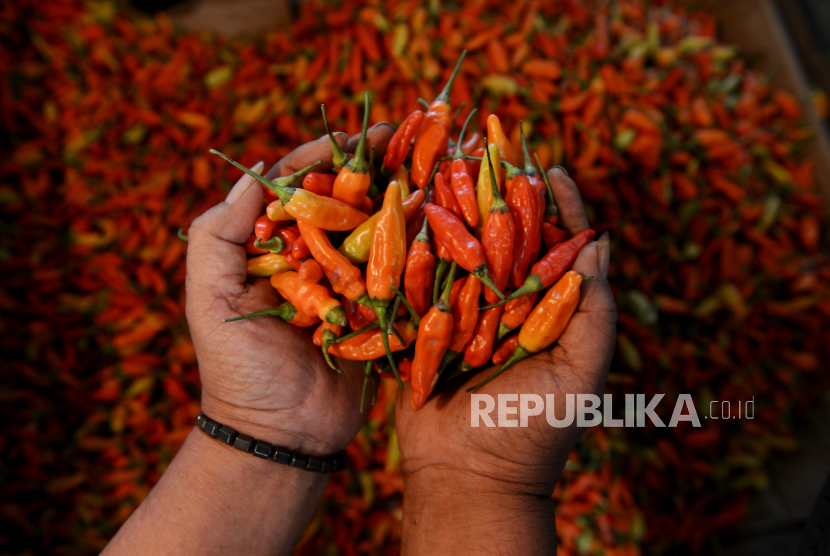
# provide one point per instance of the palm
(439, 434)
(264, 376)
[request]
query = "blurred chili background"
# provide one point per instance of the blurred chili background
(686, 155)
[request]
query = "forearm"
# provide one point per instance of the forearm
(444, 513)
(214, 499)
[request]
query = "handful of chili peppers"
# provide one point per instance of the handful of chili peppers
(438, 303)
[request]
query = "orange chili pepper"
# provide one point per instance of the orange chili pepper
(310, 271)
(505, 350)
(319, 184)
(300, 249)
(345, 278)
(464, 319)
(387, 259)
(276, 212)
(312, 299)
(353, 181)
(546, 323)
(323, 212)
(267, 265)
(496, 136)
(461, 245)
(553, 265)
(553, 235)
(434, 336)
(516, 312)
(286, 312)
(461, 182)
(522, 201)
(434, 135)
(398, 148)
(497, 238)
(480, 348)
(417, 279)
(370, 344)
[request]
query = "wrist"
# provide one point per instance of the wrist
(460, 512)
(273, 426)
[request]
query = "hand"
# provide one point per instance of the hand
(494, 484)
(263, 376)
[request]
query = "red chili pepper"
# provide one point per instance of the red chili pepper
(418, 276)
(300, 250)
(462, 246)
(497, 239)
(553, 235)
(445, 196)
(319, 184)
(464, 318)
(264, 227)
(553, 265)
(310, 271)
(478, 351)
(521, 199)
(505, 350)
(516, 312)
(398, 148)
(434, 134)
(462, 184)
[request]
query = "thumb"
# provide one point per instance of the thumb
(215, 251)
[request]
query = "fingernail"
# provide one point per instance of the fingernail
(383, 124)
(243, 183)
(604, 254)
(559, 168)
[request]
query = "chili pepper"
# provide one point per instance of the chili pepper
(367, 206)
(401, 175)
(478, 351)
(285, 181)
(431, 141)
(553, 265)
(445, 196)
(462, 183)
(516, 312)
(274, 245)
(299, 250)
(293, 262)
(546, 322)
(484, 191)
(252, 249)
(345, 278)
(417, 279)
(398, 148)
(551, 210)
(312, 299)
(319, 184)
(497, 239)
(324, 337)
(464, 319)
(286, 312)
(553, 235)
(357, 246)
(355, 315)
(289, 235)
(387, 259)
(370, 345)
(323, 212)
(339, 159)
(434, 337)
(444, 259)
(496, 136)
(267, 265)
(522, 201)
(310, 271)
(474, 164)
(264, 228)
(505, 349)
(352, 183)
(276, 212)
(462, 246)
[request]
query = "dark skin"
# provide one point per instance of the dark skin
(493, 485)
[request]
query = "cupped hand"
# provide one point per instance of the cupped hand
(263, 376)
(438, 443)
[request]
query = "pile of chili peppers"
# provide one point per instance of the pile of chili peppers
(687, 157)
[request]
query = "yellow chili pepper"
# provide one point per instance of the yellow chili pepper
(276, 212)
(357, 246)
(484, 192)
(268, 265)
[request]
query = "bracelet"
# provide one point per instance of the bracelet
(264, 450)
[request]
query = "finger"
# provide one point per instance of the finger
(243, 183)
(304, 155)
(215, 251)
(571, 211)
(377, 136)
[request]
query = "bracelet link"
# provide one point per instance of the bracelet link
(265, 450)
